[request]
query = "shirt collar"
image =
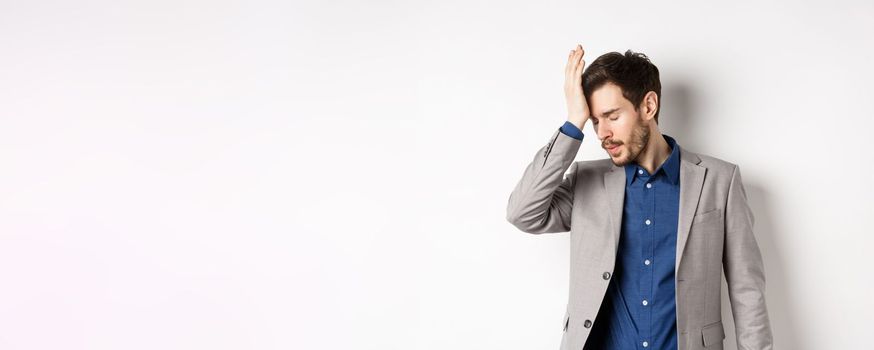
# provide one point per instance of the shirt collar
(671, 166)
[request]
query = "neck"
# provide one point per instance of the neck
(654, 153)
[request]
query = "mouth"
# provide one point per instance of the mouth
(614, 149)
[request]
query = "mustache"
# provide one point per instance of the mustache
(609, 144)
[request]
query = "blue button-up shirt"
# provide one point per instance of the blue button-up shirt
(639, 309)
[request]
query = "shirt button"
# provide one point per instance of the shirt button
(587, 324)
(648, 185)
(648, 222)
(646, 262)
(606, 275)
(640, 171)
(645, 344)
(645, 303)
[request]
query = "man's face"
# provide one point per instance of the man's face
(622, 131)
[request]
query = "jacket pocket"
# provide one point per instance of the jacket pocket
(710, 215)
(712, 333)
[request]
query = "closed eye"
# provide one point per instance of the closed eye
(595, 120)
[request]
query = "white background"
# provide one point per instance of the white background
(332, 175)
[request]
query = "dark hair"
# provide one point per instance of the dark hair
(633, 72)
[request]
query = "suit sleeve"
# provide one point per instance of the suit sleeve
(543, 198)
(744, 271)
(572, 130)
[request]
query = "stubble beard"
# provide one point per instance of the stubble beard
(639, 141)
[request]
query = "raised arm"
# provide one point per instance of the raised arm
(543, 199)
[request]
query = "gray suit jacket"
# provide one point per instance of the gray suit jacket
(714, 233)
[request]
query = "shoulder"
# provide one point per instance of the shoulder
(718, 169)
(716, 164)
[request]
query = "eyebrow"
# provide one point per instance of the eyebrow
(609, 111)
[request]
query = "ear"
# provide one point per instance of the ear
(649, 105)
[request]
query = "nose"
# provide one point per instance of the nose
(603, 131)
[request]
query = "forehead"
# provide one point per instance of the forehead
(607, 97)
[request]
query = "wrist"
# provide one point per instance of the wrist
(578, 122)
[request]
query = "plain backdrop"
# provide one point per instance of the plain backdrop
(335, 174)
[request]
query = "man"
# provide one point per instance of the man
(652, 227)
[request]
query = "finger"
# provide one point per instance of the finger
(575, 60)
(578, 66)
(570, 62)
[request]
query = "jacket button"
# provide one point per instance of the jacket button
(606, 275)
(587, 324)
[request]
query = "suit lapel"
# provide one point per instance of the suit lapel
(614, 184)
(691, 183)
